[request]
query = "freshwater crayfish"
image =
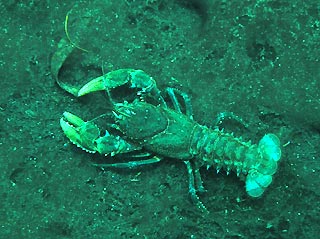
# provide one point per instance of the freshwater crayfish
(143, 122)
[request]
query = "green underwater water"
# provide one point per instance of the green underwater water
(257, 59)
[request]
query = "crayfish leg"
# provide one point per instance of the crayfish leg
(192, 188)
(131, 164)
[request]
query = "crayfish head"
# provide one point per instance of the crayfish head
(140, 120)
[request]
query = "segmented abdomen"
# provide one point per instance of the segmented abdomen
(219, 149)
(215, 148)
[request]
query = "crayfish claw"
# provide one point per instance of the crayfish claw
(73, 119)
(70, 132)
(96, 84)
(82, 134)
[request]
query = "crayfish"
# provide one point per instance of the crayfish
(144, 122)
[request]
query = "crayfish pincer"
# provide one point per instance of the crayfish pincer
(148, 127)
